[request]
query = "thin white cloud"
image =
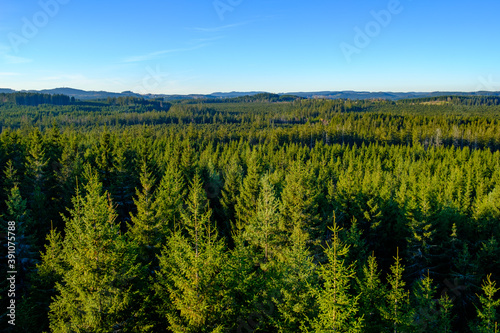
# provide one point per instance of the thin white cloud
(9, 74)
(157, 54)
(222, 27)
(205, 40)
(10, 59)
(6, 56)
(65, 77)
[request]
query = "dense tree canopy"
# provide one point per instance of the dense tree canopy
(216, 215)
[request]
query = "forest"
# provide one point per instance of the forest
(251, 214)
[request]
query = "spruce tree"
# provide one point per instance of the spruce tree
(487, 313)
(397, 311)
(97, 292)
(232, 175)
(430, 314)
(169, 199)
(339, 309)
(246, 202)
(372, 293)
(146, 230)
(299, 203)
(187, 280)
(262, 229)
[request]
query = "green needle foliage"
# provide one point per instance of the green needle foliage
(338, 308)
(96, 292)
(203, 215)
(487, 313)
(397, 311)
(188, 278)
(372, 297)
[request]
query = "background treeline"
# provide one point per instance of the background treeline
(36, 99)
(309, 215)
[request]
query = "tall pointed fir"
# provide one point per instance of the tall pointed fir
(232, 175)
(294, 272)
(36, 172)
(17, 212)
(299, 208)
(169, 200)
(397, 311)
(123, 179)
(146, 230)
(17, 228)
(262, 229)
(339, 309)
(430, 314)
(190, 264)
(487, 319)
(373, 293)
(246, 202)
(97, 292)
(33, 314)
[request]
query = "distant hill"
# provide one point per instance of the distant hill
(85, 95)
(347, 94)
(387, 95)
(6, 91)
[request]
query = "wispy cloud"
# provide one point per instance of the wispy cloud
(206, 40)
(64, 77)
(157, 54)
(6, 56)
(10, 59)
(222, 27)
(9, 74)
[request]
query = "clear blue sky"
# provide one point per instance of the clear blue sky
(190, 46)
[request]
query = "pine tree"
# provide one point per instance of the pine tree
(487, 313)
(294, 289)
(36, 172)
(97, 292)
(397, 311)
(422, 232)
(262, 229)
(17, 228)
(169, 200)
(232, 175)
(299, 204)
(445, 314)
(249, 192)
(188, 163)
(372, 293)
(189, 268)
(146, 230)
(339, 310)
(430, 314)
(26, 250)
(33, 312)
(247, 295)
(123, 181)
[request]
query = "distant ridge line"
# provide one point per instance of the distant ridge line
(346, 94)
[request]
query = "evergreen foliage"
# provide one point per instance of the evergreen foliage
(138, 215)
